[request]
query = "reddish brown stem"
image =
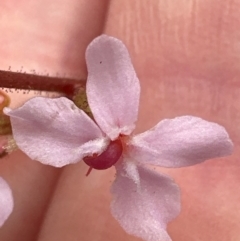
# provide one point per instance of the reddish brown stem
(18, 80)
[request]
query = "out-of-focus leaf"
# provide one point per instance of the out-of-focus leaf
(5, 124)
(80, 100)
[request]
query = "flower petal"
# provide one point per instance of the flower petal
(179, 142)
(55, 131)
(112, 86)
(145, 211)
(6, 201)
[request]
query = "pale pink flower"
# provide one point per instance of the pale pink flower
(6, 201)
(57, 133)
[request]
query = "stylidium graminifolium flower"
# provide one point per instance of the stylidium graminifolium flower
(56, 132)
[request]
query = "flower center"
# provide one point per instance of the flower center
(107, 158)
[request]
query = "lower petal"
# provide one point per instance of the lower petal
(144, 210)
(182, 141)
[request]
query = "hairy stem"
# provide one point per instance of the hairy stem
(18, 80)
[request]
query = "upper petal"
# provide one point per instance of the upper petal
(182, 141)
(55, 131)
(112, 86)
(145, 211)
(6, 201)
